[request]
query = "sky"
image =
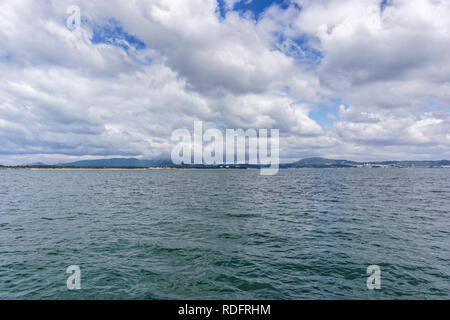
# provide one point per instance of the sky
(350, 79)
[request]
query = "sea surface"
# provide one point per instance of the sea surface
(225, 234)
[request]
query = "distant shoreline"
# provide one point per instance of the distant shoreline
(185, 168)
(136, 164)
(118, 168)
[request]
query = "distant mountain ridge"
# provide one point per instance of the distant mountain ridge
(120, 162)
(304, 163)
(315, 162)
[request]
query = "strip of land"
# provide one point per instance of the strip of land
(137, 164)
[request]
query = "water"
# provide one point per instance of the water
(225, 234)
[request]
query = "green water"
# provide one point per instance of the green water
(225, 234)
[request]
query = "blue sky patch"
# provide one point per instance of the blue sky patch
(300, 49)
(5, 57)
(326, 114)
(385, 3)
(256, 7)
(113, 34)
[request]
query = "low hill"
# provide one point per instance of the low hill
(320, 163)
(119, 162)
(304, 163)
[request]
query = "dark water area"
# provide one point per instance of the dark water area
(225, 234)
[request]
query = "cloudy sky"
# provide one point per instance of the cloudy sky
(353, 79)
